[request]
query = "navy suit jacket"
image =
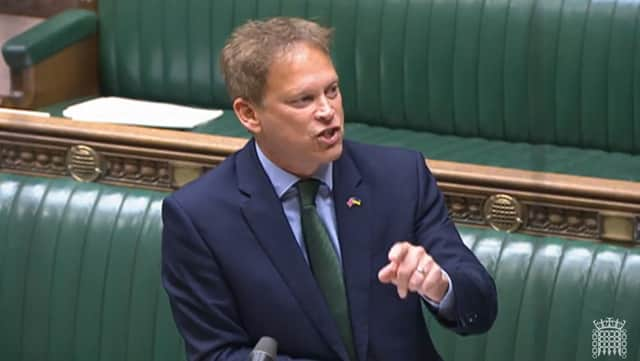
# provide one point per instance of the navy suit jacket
(234, 272)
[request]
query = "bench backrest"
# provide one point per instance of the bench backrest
(537, 71)
(550, 293)
(80, 280)
(80, 273)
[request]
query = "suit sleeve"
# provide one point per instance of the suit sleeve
(201, 300)
(475, 299)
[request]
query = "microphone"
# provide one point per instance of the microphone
(266, 350)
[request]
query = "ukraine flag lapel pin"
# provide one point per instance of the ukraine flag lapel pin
(353, 201)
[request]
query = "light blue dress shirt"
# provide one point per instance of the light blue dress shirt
(284, 185)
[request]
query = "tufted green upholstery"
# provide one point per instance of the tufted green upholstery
(80, 280)
(536, 71)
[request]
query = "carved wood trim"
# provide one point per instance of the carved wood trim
(540, 203)
(132, 156)
(539, 217)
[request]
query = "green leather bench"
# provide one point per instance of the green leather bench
(545, 85)
(80, 280)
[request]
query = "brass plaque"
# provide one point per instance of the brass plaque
(503, 213)
(84, 163)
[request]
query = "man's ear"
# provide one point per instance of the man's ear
(245, 111)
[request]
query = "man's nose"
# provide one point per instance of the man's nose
(324, 110)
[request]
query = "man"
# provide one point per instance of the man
(329, 246)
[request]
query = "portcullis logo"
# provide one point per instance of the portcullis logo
(609, 338)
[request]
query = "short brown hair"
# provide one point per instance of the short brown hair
(252, 47)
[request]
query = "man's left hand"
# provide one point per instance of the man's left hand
(411, 268)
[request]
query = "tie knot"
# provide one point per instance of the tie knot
(307, 190)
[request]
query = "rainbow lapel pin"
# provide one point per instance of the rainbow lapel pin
(353, 201)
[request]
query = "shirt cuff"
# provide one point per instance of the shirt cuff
(445, 307)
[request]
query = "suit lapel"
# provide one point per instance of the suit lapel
(273, 232)
(354, 232)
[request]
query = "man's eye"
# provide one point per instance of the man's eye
(303, 100)
(332, 92)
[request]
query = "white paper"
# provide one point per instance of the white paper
(118, 110)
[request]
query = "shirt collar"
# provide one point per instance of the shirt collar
(283, 180)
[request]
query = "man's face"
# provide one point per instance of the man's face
(301, 121)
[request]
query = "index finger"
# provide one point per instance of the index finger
(398, 251)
